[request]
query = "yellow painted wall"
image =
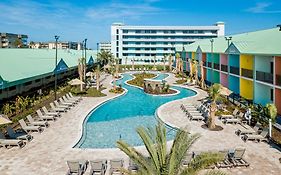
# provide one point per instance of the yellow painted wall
(247, 61)
(246, 89)
(193, 55)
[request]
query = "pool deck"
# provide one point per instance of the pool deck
(48, 152)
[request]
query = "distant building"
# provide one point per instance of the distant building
(52, 45)
(10, 40)
(104, 46)
(146, 43)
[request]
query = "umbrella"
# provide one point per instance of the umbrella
(4, 120)
(75, 81)
(225, 91)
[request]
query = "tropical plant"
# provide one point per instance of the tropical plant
(271, 112)
(202, 81)
(161, 160)
(82, 70)
(214, 96)
(18, 104)
(18, 43)
(8, 109)
(105, 57)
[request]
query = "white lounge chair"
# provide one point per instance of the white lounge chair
(29, 128)
(56, 109)
(232, 121)
(257, 137)
(233, 115)
(45, 117)
(61, 105)
(98, 167)
(77, 167)
(46, 112)
(37, 123)
(116, 165)
(18, 135)
(10, 142)
(79, 98)
(69, 104)
(69, 100)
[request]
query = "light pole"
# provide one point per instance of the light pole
(212, 58)
(82, 51)
(56, 38)
(85, 43)
(228, 39)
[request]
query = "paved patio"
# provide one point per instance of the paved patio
(49, 151)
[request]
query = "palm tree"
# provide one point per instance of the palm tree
(97, 71)
(105, 57)
(8, 109)
(82, 70)
(170, 62)
(162, 161)
(202, 81)
(214, 95)
(177, 61)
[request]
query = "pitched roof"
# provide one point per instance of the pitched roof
(18, 64)
(264, 42)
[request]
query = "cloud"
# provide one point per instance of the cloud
(262, 7)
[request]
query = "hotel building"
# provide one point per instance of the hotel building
(52, 45)
(146, 43)
(249, 64)
(106, 46)
(8, 40)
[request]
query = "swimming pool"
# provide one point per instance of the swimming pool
(118, 118)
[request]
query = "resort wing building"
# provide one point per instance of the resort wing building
(61, 45)
(106, 46)
(24, 71)
(10, 40)
(249, 64)
(145, 44)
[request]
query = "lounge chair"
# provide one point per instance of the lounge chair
(10, 142)
(37, 123)
(232, 121)
(77, 167)
(98, 167)
(73, 99)
(29, 128)
(69, 104)
(56, 109)
(257, 137)
(133, 166)
(79, 98)
(45, 117)
(46, 112)
(247, 130)
(225, 163)
(237, 158)
(69, 100)
(233, 115)
(116, 165)
(18, 135)
(61, 105)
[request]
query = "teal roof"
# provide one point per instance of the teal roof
(264, 42)
(20, 64)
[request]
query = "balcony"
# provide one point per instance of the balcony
(210, 64)
(264, 77)
(234, 70)
(204, 63)
(278, 80)
(247, 73)
(216, 66)
(224, 68)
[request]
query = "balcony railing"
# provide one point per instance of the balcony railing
(224, 68)
(234, 70)
(264, 76)
(210, 64)
(247, 73)
(216, 66)
(278, 80)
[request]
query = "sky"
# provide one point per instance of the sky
(76, 20)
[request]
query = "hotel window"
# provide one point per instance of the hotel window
(154, 49)
(173, 31)
(117, 55)
(146, 49)
(153, 31)
(165, 49)
(125, 48)
(117, 43)
(147, 31)
(191, 31)
(117, 31)
(138, 43)
(117, 49)
(117, 37)
(146, 54)
(200, 31)
(137, 49)
(137, 54)
(125, 43)
(138, 31)
(125, 31)
(271, 94)
(147, 43)
(125, 54)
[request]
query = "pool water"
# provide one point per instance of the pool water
(118, 118)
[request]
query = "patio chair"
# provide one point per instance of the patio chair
(79, 98)
(232, 121)
(225, 163)
(116, 165)
(18, 135)
(196, 117)
(62, 102)
(29, 128)
(10, 142)
(46, 112)
(237, 158)
(77, 167)
(257, 137)
(37, 123)
(56, 109)
(69, 100)
(133, 166)
(98, 167)
(230, 116)
(44, 117)
(61, 105)
(248, 130)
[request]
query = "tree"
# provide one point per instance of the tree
(214, 95)
(170, 62)
(82, 70)
(177, 61)
(105, 57)
(202, 81)
(18, 43)
(8, 109)
(271, 112)
(32, 44)
(97, 71)
(162, 161)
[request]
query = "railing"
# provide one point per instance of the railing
(224, 68)
(247, 73)
(210, 64)
(234, 70)
(278, 80)
(216, 66)
(264, 76)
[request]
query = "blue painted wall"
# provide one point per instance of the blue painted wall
(209, 75)
(233, 60)
(262, 94)
(234, 84)
(216, 77)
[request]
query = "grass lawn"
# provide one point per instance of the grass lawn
(139, 79)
